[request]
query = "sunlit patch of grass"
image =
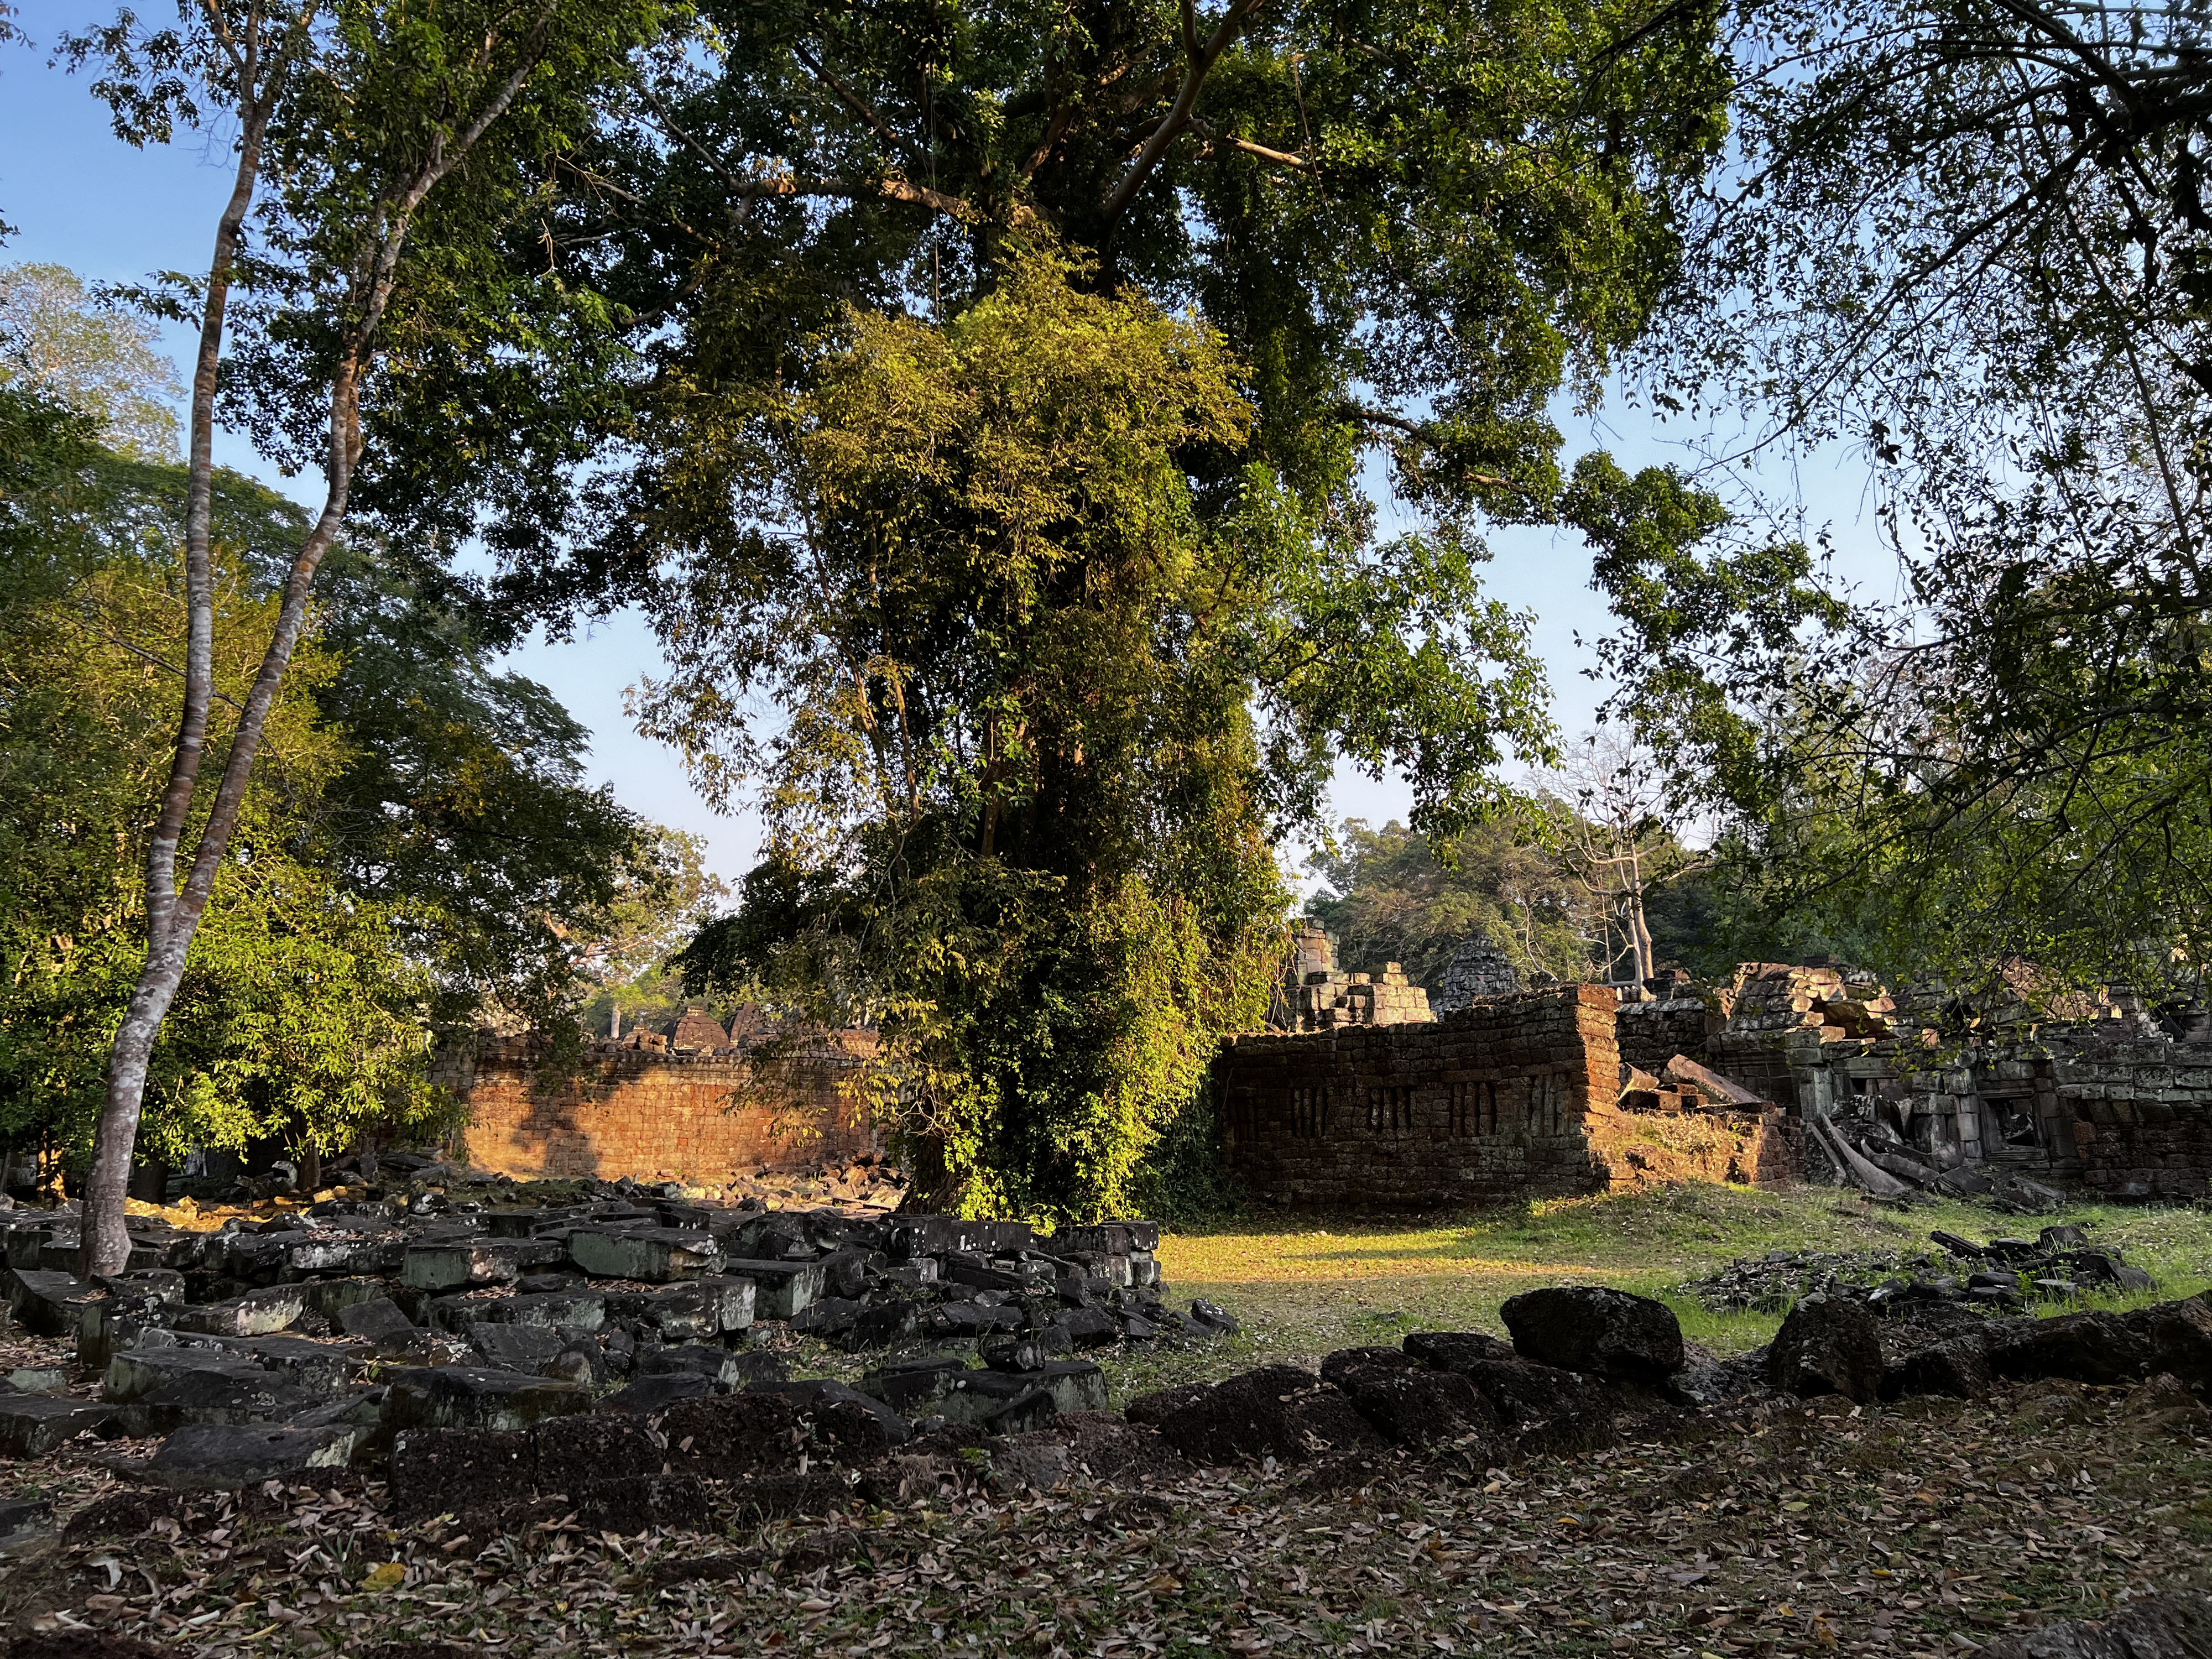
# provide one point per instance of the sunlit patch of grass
(1305, 1284)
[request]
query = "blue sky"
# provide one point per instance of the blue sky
(79, 197)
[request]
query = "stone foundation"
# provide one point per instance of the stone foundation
(656, 1113)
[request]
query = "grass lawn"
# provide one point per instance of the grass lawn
(1303, 1285)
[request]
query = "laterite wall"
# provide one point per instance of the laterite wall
(701, 1116)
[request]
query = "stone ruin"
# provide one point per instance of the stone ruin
(1325, 999)
(1784, 1073)
(421, 1314)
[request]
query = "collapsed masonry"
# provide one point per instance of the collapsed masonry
(1785, 1072)
(423, 1298)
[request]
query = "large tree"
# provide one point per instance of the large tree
(1400, 230)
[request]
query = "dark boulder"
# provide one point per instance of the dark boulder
(1591, 1327)
(1277, 1410)
(1827, 1346)
(2082, 1347)
(2177, 1338)
(1525, 1396)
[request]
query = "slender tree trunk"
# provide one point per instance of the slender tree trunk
(106, 1248)
(107, 1245)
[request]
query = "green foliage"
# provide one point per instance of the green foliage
(1013, 795)
(105, 364)
(301, 1014)
(1391, 898)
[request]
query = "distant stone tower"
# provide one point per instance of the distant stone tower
(1476, 969)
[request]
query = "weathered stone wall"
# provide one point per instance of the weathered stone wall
(2140, 1114)
(1488, 1102)
(1650, 1034)
(655, 1114)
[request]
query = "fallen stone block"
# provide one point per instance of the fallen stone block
(1593, 1329)
(781, 1288)
(221, 1457)
(378, 1322)
(256, 1313)
(141, 1371)
(474, 1261)
(31, 1426)
(687, 1311)
(581, 1310)
(454, 1397)
(658, 1392)
(657, 1255)
(2082, 1347)
(515, 1347)
(47, 1303)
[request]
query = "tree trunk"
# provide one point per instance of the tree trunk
(106, 1247)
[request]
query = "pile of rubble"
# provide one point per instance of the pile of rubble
(323, 1336)
(2057, 1264)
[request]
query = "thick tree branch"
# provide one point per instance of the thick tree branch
(1202, 60)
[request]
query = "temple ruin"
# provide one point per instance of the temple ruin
(1368, 1097)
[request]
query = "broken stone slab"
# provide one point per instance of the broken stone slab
(332, 1296)
(572, 1310)
(318, 1368)
(728, 1368)
(516, 1348)
(346, 1250)
(656, 1255)
(475, 1261)
(1683, 1069)
(781, 1288)
(687, 1311)
(31, 1426)
(456, 1397)
(652, 1394)
(230, 1456)
(138, 1372)
(2082, 1347)
(256, 1313)
(1107, 1238)
(1406, 1402)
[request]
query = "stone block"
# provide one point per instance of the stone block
(31, 1426)
(465, 1397)
(221, 1456)
(781, 1288)
(466, 1262)
(256, 1313)
(657, 1255)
